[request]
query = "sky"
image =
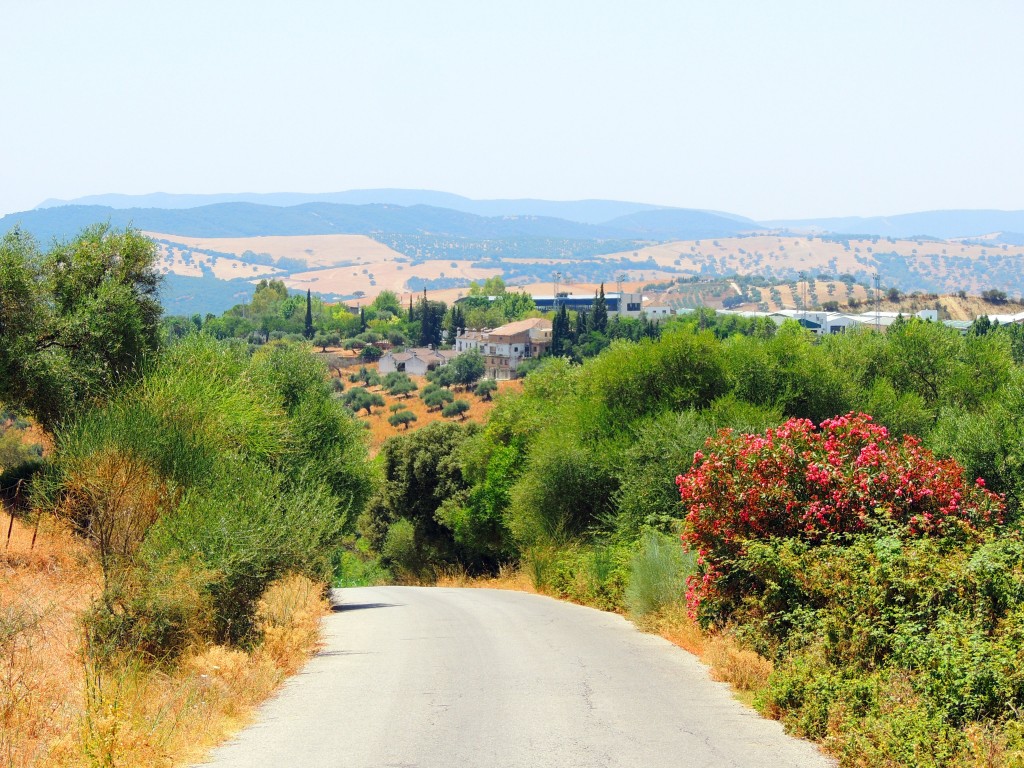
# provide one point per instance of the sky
(782, 109)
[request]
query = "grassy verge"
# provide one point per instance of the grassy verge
(60, 708)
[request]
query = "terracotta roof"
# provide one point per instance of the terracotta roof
(510, 329)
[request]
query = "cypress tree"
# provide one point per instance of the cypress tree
(309, 315)
(599, 318)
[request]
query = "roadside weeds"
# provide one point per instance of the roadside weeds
(61, 708)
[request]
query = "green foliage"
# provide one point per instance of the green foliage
(371, 353)
(567, 486)
(485, 389)
(987, 441)
(387, 301)
(354, 568)
(398, 384)
(593, 574)
(360, 398)
(218, 471)
(895, 647)
(682, 370)
(663, 448)
(325, 340)
(421, 471)
(464, 369)
(455, 408)
(436, 399)
(78, 320)
(401, 417)
(657, 574)
(15, 450)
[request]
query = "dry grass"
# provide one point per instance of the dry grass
(137, 716)
(59, 710)
(43, 590)
(730, 663)
(509, 577)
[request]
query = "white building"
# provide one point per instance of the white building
(504, 348)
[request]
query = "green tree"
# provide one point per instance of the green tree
(420, 471)
(403, 418)
(599, 314)
(387, 301)
(515, 305)
(485, 389)
(371, 353)
(455, 408)
(359, 398)
(437, 398)
(431, 317)
(466, 368)
(309, 332)
(325, 340)
(77, 321)
(399, 385)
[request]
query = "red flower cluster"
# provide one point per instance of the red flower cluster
(846, 477)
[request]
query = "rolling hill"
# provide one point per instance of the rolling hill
(353, 244)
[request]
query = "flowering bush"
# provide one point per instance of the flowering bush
(795, 481)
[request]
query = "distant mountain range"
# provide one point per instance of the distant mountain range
(418, 212)
(944, 225)
(585, 211)
(241, 219)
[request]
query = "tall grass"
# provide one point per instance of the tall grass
(62, 708)
(657, 574)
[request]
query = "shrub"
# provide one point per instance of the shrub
(657, 574)
(847, 478)
(217, 472)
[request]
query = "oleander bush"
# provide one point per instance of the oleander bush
(879, 582)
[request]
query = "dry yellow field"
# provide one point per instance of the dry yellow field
(382, 275)
(357, 264)
(315, 250)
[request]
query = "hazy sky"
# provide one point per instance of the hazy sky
(768, 109)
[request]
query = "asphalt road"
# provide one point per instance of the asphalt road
(460, 678)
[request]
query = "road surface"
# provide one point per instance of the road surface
(460, 678)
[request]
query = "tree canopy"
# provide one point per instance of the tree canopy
(75, 321)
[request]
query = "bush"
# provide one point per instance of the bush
(420, 471)
(223, 471)
(657, 574)
(795, 482)
(593, 575)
